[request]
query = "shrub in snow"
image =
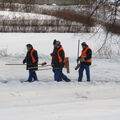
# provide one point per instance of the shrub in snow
(3, 52)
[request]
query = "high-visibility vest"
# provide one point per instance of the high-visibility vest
(33, 59)
(58, 53)
(83, 55)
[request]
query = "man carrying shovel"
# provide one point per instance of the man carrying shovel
(31, 61)
(85, 62)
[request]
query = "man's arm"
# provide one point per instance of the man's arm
(24, 61)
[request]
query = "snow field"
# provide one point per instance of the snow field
(49, 100)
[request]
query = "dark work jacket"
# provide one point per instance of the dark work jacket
(53, 56)
(89, 56)
(56, 63)
(29, 62)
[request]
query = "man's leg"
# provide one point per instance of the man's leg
(30, 76)
(87, 68)
(35, 76)
(64, 77)
(54, 74)
(81, 73)
(57, 75)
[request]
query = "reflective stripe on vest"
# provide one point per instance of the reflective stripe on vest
(33, 59)
(83, 55)
(60, 59)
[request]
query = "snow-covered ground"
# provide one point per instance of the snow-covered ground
(59, 101)
(49, 100)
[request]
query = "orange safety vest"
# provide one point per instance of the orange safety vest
(83, 55)
(60, 59)
(33, 59)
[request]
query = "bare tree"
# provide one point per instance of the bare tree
(28, 4)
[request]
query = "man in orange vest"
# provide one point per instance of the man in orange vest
(31, 60)
(58, 63)
(85, 61)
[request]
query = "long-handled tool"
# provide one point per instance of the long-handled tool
(39, 67)
(78, 50)
(44, 63)
(78, 64)
(66, 62)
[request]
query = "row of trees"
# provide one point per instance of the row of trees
(39, 25)
(58, 2)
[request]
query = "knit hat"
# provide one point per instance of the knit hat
(54, 42)
(29, 45)
(84, 44)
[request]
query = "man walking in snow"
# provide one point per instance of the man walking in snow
(31, 60)
(58, 57)
(85, 61)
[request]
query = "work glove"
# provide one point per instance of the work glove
(24, 61)
(52, 65)
(44, 63)
(51, 54)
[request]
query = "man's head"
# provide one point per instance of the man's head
(29, 47)
(84, 45)
(57, 44)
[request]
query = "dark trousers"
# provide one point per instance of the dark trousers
(59, 76)
(87, 69)
(32, 75)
